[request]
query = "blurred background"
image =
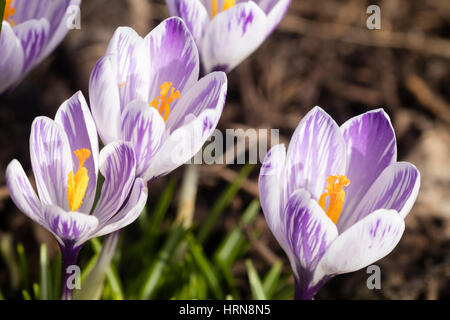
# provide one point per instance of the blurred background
(321, 54)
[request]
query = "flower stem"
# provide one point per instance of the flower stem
(69, 258)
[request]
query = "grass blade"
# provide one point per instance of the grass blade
(44, 273)
(255, 282)
(272, 278)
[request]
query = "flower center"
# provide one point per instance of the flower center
(335, 190)
(164, 106)
(9, 11)
(227, 4)
(78, 183)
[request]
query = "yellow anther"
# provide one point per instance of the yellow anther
(227, 4)
(9, 11)
(78, 183)
(335, 190)
(122, 85)
(164, 107)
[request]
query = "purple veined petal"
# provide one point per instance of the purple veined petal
(68, 226)
(371, 147)
(316, 151)
(193, 13)
(208, 93)
(396, 188)
(174, 57)
(51, 161)
(22, 193)
(27, 10)
(33, 35)
(183, 143)
(74, 116)
(128, 62)
(105, 100)
(130, 211)
(118, 166)
(143, 127)
(11, 57)
(367, 241)
(232, 36)
(270, 185)
(308, 232)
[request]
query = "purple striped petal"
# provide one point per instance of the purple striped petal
(128, 64)
(33, 35)
(193, 13)
(129, 213)
(143, 127)
(11, 57)
(396, 188)
(308, 231)
(270, 186)
(75, 118)
(69, 226)
(316, 151)
(208, 93)
(275, 10)
(232, 36)
(118, 166)
(364, 243)
(51, 161)
(202, 106)
(22, 193)
(59, 14)
(371, 147)
(173, 57)
(105, 100)
(27, 10)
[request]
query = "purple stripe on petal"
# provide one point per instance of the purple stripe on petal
(51, 161)
(371, 147)
(33, 35)
(68, 226)
(143, 127)
(11, 57)
(118, 165)
(75, 118)
(194, 14)
(396, 188)
(316, 151)
(364, 243)
(22, 192)
(232, 36)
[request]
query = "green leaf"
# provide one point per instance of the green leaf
(26, 295)
(152, 277)
(44, 278)
(2, 11)
(222, 203)
(271, 280)
(255, 282)
(205, 266)
(23, 266)
(56, 272)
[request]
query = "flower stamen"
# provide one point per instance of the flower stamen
(78, 183)
(335, 190)
(227, 4)
(164, 107)
(9, 11)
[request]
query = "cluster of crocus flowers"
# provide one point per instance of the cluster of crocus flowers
(147, 91)
(228, 31)
(65, 159)
(337, 199)
(30, 31)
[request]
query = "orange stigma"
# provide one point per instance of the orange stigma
(78, 183)
(164, 107)
(9, 11)
(335, 190)
(227, 4)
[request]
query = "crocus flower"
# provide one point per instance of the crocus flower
(146, 91)
(65, 161)
(30, 31)
(336, 201)
(228, 31)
